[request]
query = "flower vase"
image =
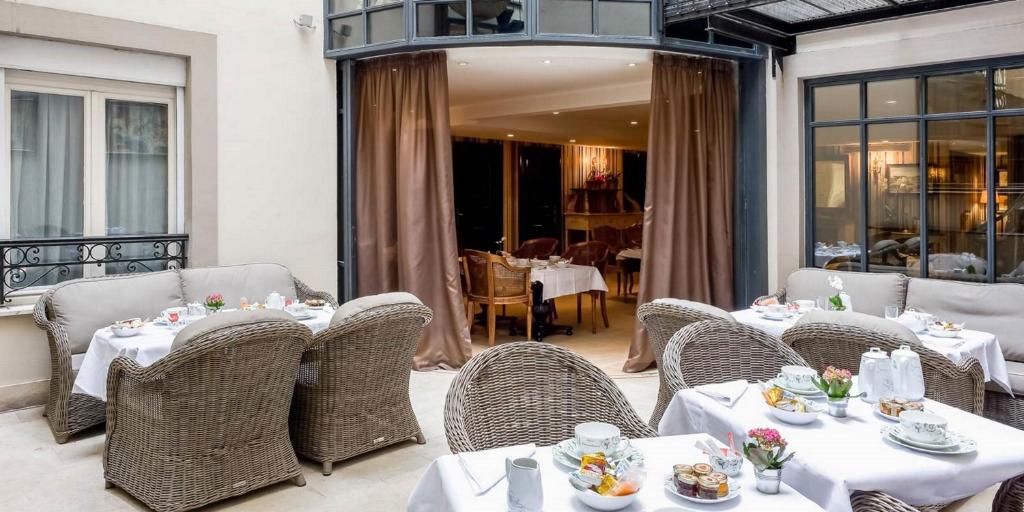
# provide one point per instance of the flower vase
(837, 407)
(768, 480)
(212, 310)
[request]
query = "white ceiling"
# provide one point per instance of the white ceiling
(495, 91)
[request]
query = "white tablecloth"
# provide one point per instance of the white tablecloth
(568, 280)
(152, 343)
(982, 345)
(835, 456)
(444, 486)
(630, 254)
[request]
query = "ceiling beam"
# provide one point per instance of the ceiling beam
(738, 29)
(682, 10)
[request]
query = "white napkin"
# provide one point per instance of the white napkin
(725, 392)
(486, 468)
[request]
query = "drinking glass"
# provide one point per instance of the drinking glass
(892, 312)
(823, 303)
(243, 303)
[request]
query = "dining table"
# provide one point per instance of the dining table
(550, 282)
(983, 346)
(148, 346)
(837, 456)
(446, 487)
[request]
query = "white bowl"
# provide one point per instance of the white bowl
(598, 502)
(940, 332)
(793, 417)
(124, 332)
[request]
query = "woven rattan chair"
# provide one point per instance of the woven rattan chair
(352, 394)
(529, 392)
(661, 319)
(493, 282)
(210, 420)
(539, 248)
(595, 254)
(960, 385)
(1009, 498)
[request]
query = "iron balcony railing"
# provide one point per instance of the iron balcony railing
(25, 262)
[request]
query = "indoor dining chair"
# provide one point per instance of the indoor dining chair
(537, 248)
(594, 254)
(615, 238)
(492, 282)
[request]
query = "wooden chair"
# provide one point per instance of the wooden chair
(530, 392)
(539, 248)
(493, 282)
(634, 235)
(595, 254)
(615, 238)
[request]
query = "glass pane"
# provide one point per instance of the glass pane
(441, 19)
(837, 102)
(347, 32)
(387, 25)
(1010, 199)
(1009, 84)
(956, 199)
(566, 17)
(339, 6)
(837, 202)
(47, 177)
(624, 18)
(891, 98)
(375, 3)
(136, 168)
(498, 17)
(964, 92)
(894, 201)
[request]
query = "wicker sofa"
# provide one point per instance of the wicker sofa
(72, 311)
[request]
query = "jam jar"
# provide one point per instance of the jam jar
(686, 484)
(707, 488)
(723, 483)
(701, 469)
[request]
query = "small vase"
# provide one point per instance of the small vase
(768, 480)
(211, 310)
(837, 407)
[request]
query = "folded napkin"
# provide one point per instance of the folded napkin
(725, 392)
(486, 468)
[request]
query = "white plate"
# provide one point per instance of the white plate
(801, 392)
(794, 417)
(963, 444)
(775, 318)
(950, 440)
(303, 316)
(734, 492)
(943, 333)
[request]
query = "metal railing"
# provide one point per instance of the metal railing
(26, 262)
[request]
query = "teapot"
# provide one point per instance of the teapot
(907, 376)
(275, 301)
(875, 375)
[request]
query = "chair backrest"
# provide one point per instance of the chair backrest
(870, 293)
(663, 317)
(635, 235)
(713, 351)
(489, 276)
(539, 248)
(254, 281)
(823, 344)
(593, 253)
(530, 392)
(613, 236)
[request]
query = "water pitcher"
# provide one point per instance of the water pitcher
(875, 375)
(907, 377)
(525, 492)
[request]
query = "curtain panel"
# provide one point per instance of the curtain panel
(405, 209)
(688, 209)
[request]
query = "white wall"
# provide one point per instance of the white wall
(960, 35)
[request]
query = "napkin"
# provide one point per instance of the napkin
(725, 392)
(486, 468)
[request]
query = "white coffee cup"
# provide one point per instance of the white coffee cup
(594, 436)
(797, 377)
(923, 427)
(805, 305)
(776, 310)
(181, 311)
(297, 308)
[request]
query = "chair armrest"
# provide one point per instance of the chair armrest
(306, 293)
(123, 372)
(874, 501)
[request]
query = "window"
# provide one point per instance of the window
(919, 172)
(357, 23)
(630, 18)
(87, 157)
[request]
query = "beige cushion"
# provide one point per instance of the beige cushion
(1016, 371)
(853, 319)
(869, 293)
(253, 281)
(995, 308)
(227, 319)
(699, 306)
(372, 301)
(84, 305)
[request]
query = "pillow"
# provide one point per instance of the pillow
(371, 301)
(853, 319)
(699, 306)
(869, 293)
(253, 281)
(226, 319)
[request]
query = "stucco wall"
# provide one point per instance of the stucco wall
(965, 34)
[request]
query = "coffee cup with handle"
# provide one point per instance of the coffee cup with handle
(797, 377)
(595, 436)
(923, 427)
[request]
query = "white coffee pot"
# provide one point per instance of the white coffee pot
(907, 376)
(275, 301)
(525, 492)
(875, 376)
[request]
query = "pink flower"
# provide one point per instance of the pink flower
(833, 374)
(767, 438)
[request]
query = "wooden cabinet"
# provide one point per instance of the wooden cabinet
(587, 221)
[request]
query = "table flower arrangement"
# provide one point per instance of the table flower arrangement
(766, 450)
(836, 301)
(836, 384)
(214, 302)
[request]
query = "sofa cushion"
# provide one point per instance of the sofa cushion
(226, 319)
(372, 301)
(699, 306)
(853, 319)
(869, 293)
(253, 281)
(994, 308)
(84, 305)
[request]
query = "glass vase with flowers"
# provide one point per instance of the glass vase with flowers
(214, 302)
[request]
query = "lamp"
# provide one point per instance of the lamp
(305, 21)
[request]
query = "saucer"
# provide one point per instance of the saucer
(775, 318)
(302, 316)
(950, 441)
(803, 392)
(566, 454)
(734, 492)
(961, 445)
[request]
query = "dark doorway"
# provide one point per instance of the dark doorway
(477, 168)
(634, 179)
(540, 192)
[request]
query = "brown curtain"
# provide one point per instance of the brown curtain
(687, 244)
(405, 213)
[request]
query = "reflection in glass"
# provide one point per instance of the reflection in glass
(624, 18)
(894, 201)
(1009, 88)
(1009, 217)
(386, 25)
(340, 6)
(891, 98)
(837, 102)
(962, 92)
(566, 17)
(956, 199)
(441, 19)
(498, 17)
(136, 168)
(837, 197)
(347, 32)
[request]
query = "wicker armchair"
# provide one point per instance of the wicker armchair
(1009, 498)
(595, 254)
(531, 393)
(304, 293)
(352, 394)
(539, 248)
(210, 420)
(662, 318)
(493, 282)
